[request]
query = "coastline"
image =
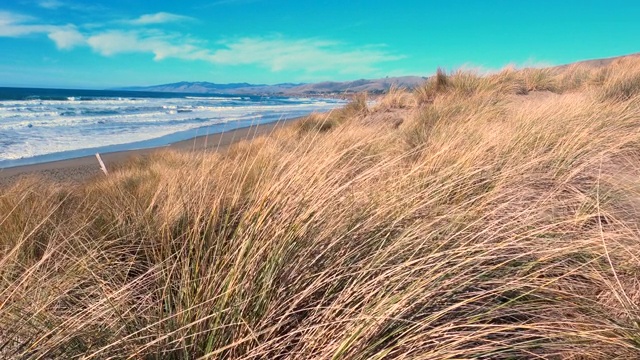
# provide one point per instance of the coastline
(79, 169)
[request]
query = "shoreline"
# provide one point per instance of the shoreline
(82, 168)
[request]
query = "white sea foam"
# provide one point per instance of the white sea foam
(35, 127)
(92, 102)
(217, 98)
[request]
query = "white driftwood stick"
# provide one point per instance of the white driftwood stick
(104, 168)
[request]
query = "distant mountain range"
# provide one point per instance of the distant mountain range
(375, 86)
(287, 89)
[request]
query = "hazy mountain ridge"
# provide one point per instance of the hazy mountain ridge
(290, 89)
(374, 86)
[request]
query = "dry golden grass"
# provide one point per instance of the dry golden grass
(396, 98)
(485, 224)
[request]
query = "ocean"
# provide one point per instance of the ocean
(41, 125)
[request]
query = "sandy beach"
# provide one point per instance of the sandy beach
(79, 169)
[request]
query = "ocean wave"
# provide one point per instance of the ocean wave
(49, 141)
(213, 98)
(38, 127)
(67, 102)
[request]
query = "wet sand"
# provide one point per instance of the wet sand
(80, 169)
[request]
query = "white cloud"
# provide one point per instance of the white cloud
(114, 42)
(67, 38)
(162, 46)
(311, 55)
(231, 2)
(159, 18)
(484, 70)
(16, 25)
(276, 53)
(82, 6)
(50, 4)
(12, 18)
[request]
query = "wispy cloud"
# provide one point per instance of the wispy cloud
(230, 2)
(16, 25)
(276, 53)
(159, 18)
(69, 5)
(484, 70)
(162, 46)
(311, 55)
(51, 4)
(273, 53)
(66, 38)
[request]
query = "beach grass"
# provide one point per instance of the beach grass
(476, 217)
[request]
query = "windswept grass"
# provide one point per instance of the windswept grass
(396, 98)
(623, 81)
(486, 223)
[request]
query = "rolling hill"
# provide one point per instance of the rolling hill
(289, 89)
(373, 86)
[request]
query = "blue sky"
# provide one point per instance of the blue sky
(98, 44)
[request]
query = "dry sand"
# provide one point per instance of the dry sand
(80, 169)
